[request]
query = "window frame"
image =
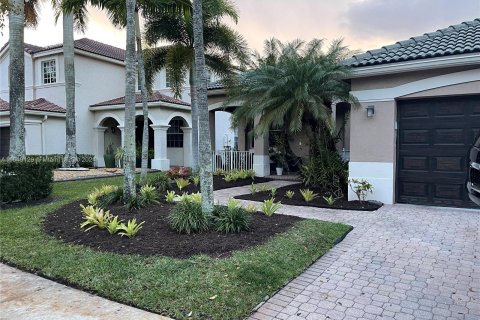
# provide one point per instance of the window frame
(175, 133)
(52, 79)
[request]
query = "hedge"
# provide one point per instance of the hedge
(25, 180)
(84, 160)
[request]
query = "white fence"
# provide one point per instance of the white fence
(229, 160)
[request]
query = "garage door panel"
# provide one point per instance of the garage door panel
(434, 136)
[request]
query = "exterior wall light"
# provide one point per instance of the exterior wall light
(370, 111)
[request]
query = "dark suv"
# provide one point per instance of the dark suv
(473, 184)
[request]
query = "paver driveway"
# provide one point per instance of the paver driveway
(400, 262)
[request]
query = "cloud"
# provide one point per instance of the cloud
(401, 19)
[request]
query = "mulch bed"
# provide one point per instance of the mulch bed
(319, 202)
(219, 183)
(156, 237)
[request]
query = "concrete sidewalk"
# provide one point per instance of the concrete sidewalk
(30, 297)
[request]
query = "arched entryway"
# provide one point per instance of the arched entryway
(138, 140)
(109, 139)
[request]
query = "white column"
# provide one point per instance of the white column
(160, 162)
(261, 159)
(122, 132)
(187, 146)
(99, 143)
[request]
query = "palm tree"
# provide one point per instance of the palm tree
(70, 159)
(129, 157)
(293, 86)
(223, 46)
(20, 13)
(205, 148)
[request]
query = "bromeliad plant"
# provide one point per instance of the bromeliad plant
(289, 194)
(251, 208)
(95, 218)
(330, 200)
(148, 194)
(113, 225)
(182, 183)
(253, 189)
(273, 192)
(131, 228)
(196, 180)
(170, 196)
(233, 203)
(269, 207)
(308, 195)
(94, 196)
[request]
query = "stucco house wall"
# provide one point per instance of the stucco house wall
(373, 140)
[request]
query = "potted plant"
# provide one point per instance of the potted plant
(278, 158)
(109, 157)
(119, 153)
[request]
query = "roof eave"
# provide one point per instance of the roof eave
(37, 113)
(417, 65)
(140, 105)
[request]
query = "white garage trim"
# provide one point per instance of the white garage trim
(380, 174)
(389, 94)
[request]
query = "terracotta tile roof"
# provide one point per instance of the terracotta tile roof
(154, 97)
(36, 105)
(84, 44)
(215, 85)
(458, 39)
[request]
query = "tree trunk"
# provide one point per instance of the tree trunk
(193, 94)
(70, 159)
(143, 89)
(16, 19)
(129, 136)
(205, 148)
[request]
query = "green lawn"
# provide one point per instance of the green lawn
(163, 285)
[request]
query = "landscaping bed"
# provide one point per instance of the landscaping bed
(198, 287)
(219, 183)
(319, 201)
(157, 238)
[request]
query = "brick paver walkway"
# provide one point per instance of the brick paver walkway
(400, 262)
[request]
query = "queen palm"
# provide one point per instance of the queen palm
(222, 45)
(205, 148)
(292, 87)
(20, 14)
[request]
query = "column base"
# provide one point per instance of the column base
(261, 165)
(161, 164)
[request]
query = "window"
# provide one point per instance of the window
(49, 72)
(209, 75)
(175, 134)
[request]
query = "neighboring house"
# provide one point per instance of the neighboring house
(423, 95)
(100, 88)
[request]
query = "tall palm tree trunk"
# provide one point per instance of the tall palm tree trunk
(129, 157)
(205, 148)
(193, 94)
(16, 17)
(143, 89)
(70, 159)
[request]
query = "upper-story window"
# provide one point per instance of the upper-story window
(49, 71)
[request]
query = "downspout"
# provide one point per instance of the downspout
(42, 131)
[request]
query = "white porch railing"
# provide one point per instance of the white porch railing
(229, 160)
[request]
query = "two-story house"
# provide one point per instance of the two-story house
(100, 90)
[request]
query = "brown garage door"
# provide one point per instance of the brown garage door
(434, 136)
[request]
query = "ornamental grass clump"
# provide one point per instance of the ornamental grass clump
(160, 181)
(187, 217)
(230, 220)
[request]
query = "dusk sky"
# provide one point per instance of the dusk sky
(364, 24)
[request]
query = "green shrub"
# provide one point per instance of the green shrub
(25, 180)
(361, 187)
(110, 198)
(160, 181)
(230, 220)
(187, 217)
(326, 171)
(148, 194)
(135, 202)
